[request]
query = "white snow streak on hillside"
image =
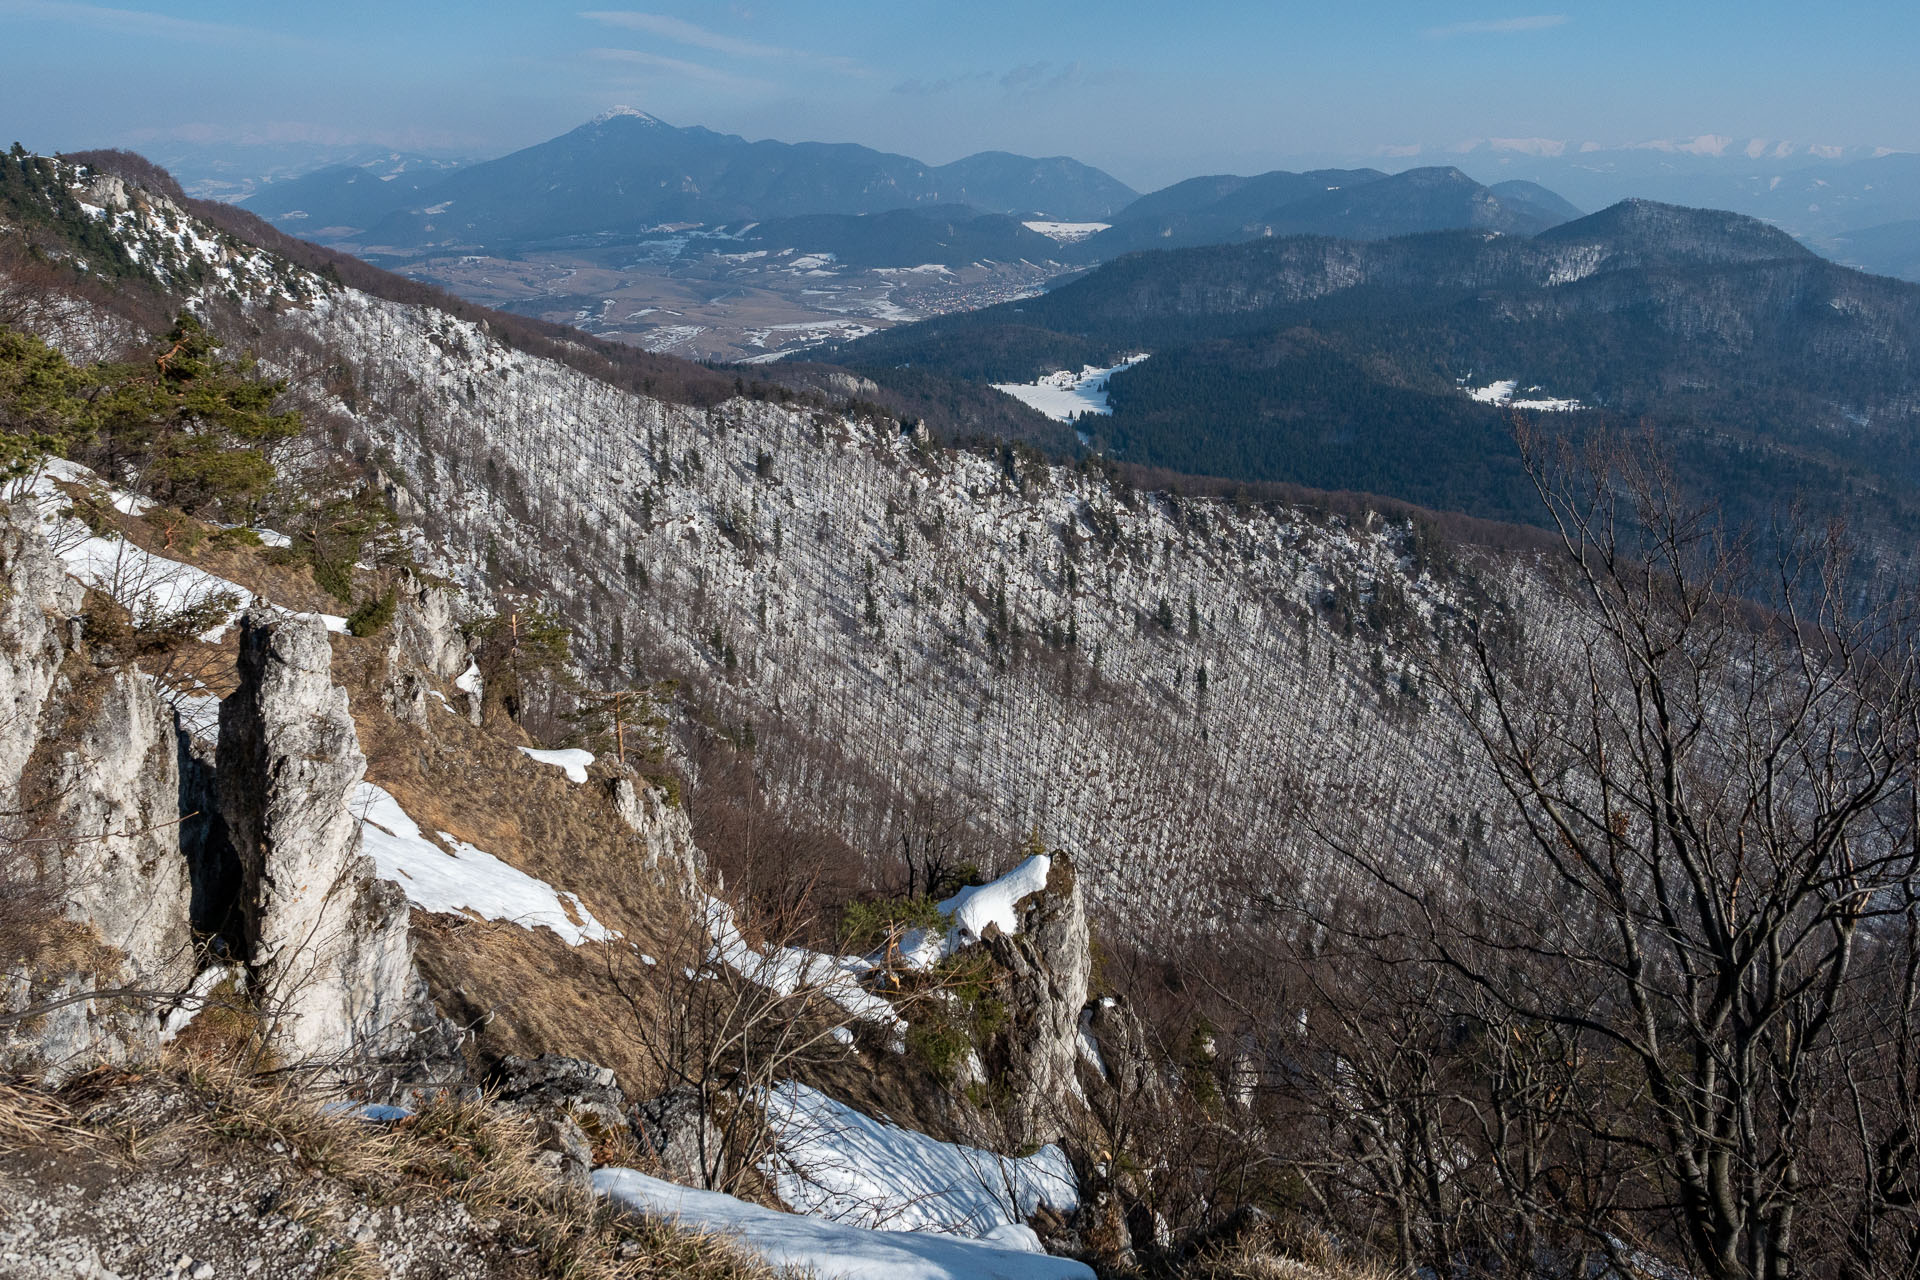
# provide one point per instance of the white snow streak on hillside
(830, 1250)
(1502, 393)
(785, 970)
(144, 584)
(1065, 395)
(465, 880)
(833, 1162)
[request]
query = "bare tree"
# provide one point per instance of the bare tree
(1710, 786)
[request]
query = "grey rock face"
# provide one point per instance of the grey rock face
(554, 1083)
(665, 831)
(1049, 964)
(427, 646)
(426, 629)
(89, 776)
(684, 1136)
(1129, 1060)
(560, 1094)
(327, 943)
(37, 600)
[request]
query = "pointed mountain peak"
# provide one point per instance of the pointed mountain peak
(627, 113)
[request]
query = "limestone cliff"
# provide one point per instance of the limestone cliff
(89, 852)
(326, 943)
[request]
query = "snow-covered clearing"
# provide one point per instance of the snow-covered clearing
(572, 760)
(466, 880)
(1067, 232)
(832, 1250)
(1065, 395)
(1502, 393)
(833, 1162)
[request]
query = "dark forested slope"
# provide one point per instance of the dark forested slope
(1345, 364)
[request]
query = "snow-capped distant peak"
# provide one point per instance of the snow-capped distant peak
(623, 112)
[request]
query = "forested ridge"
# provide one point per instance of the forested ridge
(1776, 376)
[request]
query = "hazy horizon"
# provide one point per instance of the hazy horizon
(1235, 87)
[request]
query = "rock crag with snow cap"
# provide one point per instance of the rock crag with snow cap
(1049, 963)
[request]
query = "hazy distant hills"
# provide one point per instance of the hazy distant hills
(1356, 204)
(1860, 209)
(1346, 364)
(628, 173)
(342, 199)
(946, 235)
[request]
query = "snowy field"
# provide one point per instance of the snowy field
(833, 1162)
(1502, 393)
(1065, 395)
(1067, 232)
(832, 1250)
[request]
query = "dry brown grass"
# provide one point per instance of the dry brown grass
(483, 1157)
(1276, 1252)
(525, 991)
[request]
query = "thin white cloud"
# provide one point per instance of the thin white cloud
(680, 31)
(680, 67)
(137, 22)
(1499, 26)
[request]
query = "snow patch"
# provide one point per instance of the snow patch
(786, 970)
(461, 879)
(1067, 232)
(1502, 393)
(832, 1250)
(972, 909)
(573, 760)
(830, 1161)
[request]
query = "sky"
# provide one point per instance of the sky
(1151, 92)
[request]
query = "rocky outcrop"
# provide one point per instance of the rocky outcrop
(554, 1083)
(426, 629)
(1048, 964)
(428, 647)
(326, 943)
(1130, 1067)
(90, 785)
(570, 1100)
(664, 830)
(34, 608)
(683, 1136)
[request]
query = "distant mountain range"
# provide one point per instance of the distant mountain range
(1355, 204)
(1346, 364)
(1862, 209)
(627, 174)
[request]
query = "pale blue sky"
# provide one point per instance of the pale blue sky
(1151, 92)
